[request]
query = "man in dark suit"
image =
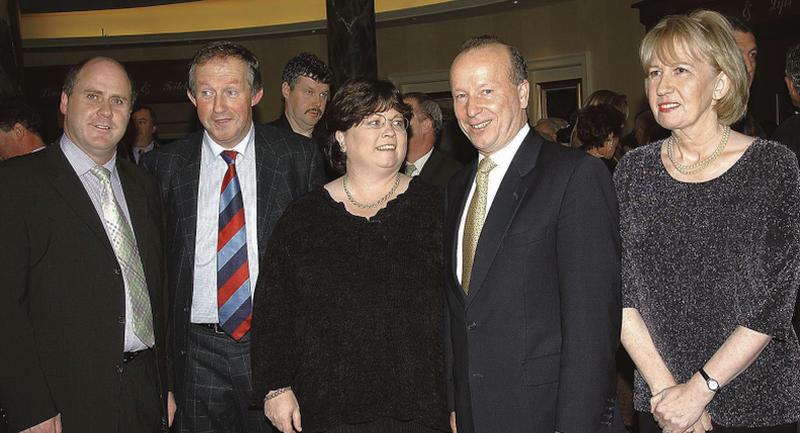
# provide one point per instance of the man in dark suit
(223, 189)
(144, 124)
(531, 253)
(423, 158)
(81, 273)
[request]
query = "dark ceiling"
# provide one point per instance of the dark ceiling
(39, 6)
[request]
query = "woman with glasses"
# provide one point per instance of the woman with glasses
(347, 320)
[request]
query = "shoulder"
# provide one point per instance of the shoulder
(638, 161)
(175, 151)
(303, 214)
(282, 141)
(771, 160)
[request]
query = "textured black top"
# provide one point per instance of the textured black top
(349, 311)
(701, 258)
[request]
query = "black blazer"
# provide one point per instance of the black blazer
(62, 301)
(439, 168)
(532, 347)
(287, 166)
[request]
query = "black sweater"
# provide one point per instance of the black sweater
(348, 311)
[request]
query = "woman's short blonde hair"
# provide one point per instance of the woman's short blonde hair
(703, 36)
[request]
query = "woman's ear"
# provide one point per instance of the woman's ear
(339, 136)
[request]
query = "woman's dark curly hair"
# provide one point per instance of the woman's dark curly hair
(354, 101)
(595, 122)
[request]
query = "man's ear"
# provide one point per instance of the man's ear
(19, 131)
(191, 97)
(64, 102)
(285, 89)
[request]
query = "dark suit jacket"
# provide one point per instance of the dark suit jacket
(533, 345)
(62, 301)
(439, 168)
(287, 166)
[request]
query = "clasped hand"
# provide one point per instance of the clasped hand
(681, 408)
(283, 412)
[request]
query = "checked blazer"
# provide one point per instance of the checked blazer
(287, 166)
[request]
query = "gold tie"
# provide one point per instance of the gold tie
(410, 168)
(476, 214)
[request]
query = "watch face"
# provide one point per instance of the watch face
(713, 385)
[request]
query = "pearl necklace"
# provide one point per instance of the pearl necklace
(373, 204)
(701, 164)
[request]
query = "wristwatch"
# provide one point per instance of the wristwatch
(711, 383)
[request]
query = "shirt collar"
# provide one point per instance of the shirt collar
(504, 156)
(80, 161)
(240, 148)
(420, 162)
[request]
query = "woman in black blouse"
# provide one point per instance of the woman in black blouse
(710, 224)
(347, 320)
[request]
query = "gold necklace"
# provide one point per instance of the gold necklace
(701, 164)
(373, 204)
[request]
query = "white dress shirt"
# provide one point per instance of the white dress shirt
(212, 170)
(82, 164)
(139, 151)
(420, 162)
(503, 159)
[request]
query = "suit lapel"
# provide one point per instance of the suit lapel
(457, 201)
(266, 171)
(137, 208)
(67, 183)
(186, 185)
(509, 195)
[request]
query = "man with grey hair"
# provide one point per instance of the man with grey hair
(548, 127)
(788, 132)
(223, 188)
(423, 158)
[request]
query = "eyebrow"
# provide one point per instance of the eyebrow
(93, 90)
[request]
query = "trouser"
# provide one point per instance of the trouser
(218, 386)
(141, 407)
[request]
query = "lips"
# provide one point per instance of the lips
(383, 147)
(481, 125)
(102, 126)
(314, 112)
(668, 106)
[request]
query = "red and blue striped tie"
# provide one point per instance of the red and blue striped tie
(233, 273)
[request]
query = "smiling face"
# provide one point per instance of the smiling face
(490, 109)
(682, 93)
(97, 112)
(305, 103)
(368, 146)
(224, 99)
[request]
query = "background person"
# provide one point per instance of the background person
(599, 128)
(305, 87)
(710, 223)
(424, 159)
(348, 315)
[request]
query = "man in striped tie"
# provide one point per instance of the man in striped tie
(223, 189)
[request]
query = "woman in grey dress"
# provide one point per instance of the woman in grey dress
(710, 223)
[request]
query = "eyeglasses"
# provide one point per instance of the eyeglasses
(378, 121)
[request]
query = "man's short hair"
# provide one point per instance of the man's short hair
(793, 66)
(148, 108)
(518, 71)
(430, 108)
(15, 110)
(306, 65)
(596, 122)
(738, 25)
(72, 75)
(222, 50)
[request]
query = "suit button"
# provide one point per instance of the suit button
(121, 319)
(119, 368)
(183, 352)
(117, 272)
(471, 326)
(477, 376)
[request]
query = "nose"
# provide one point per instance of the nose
(473, 108)
(219, 104)
(105, 109)
(664, 85)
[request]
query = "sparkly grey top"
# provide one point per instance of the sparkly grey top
(701, 258)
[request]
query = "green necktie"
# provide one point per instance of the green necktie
(476, 214)
(122, 241)
(410, 168)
